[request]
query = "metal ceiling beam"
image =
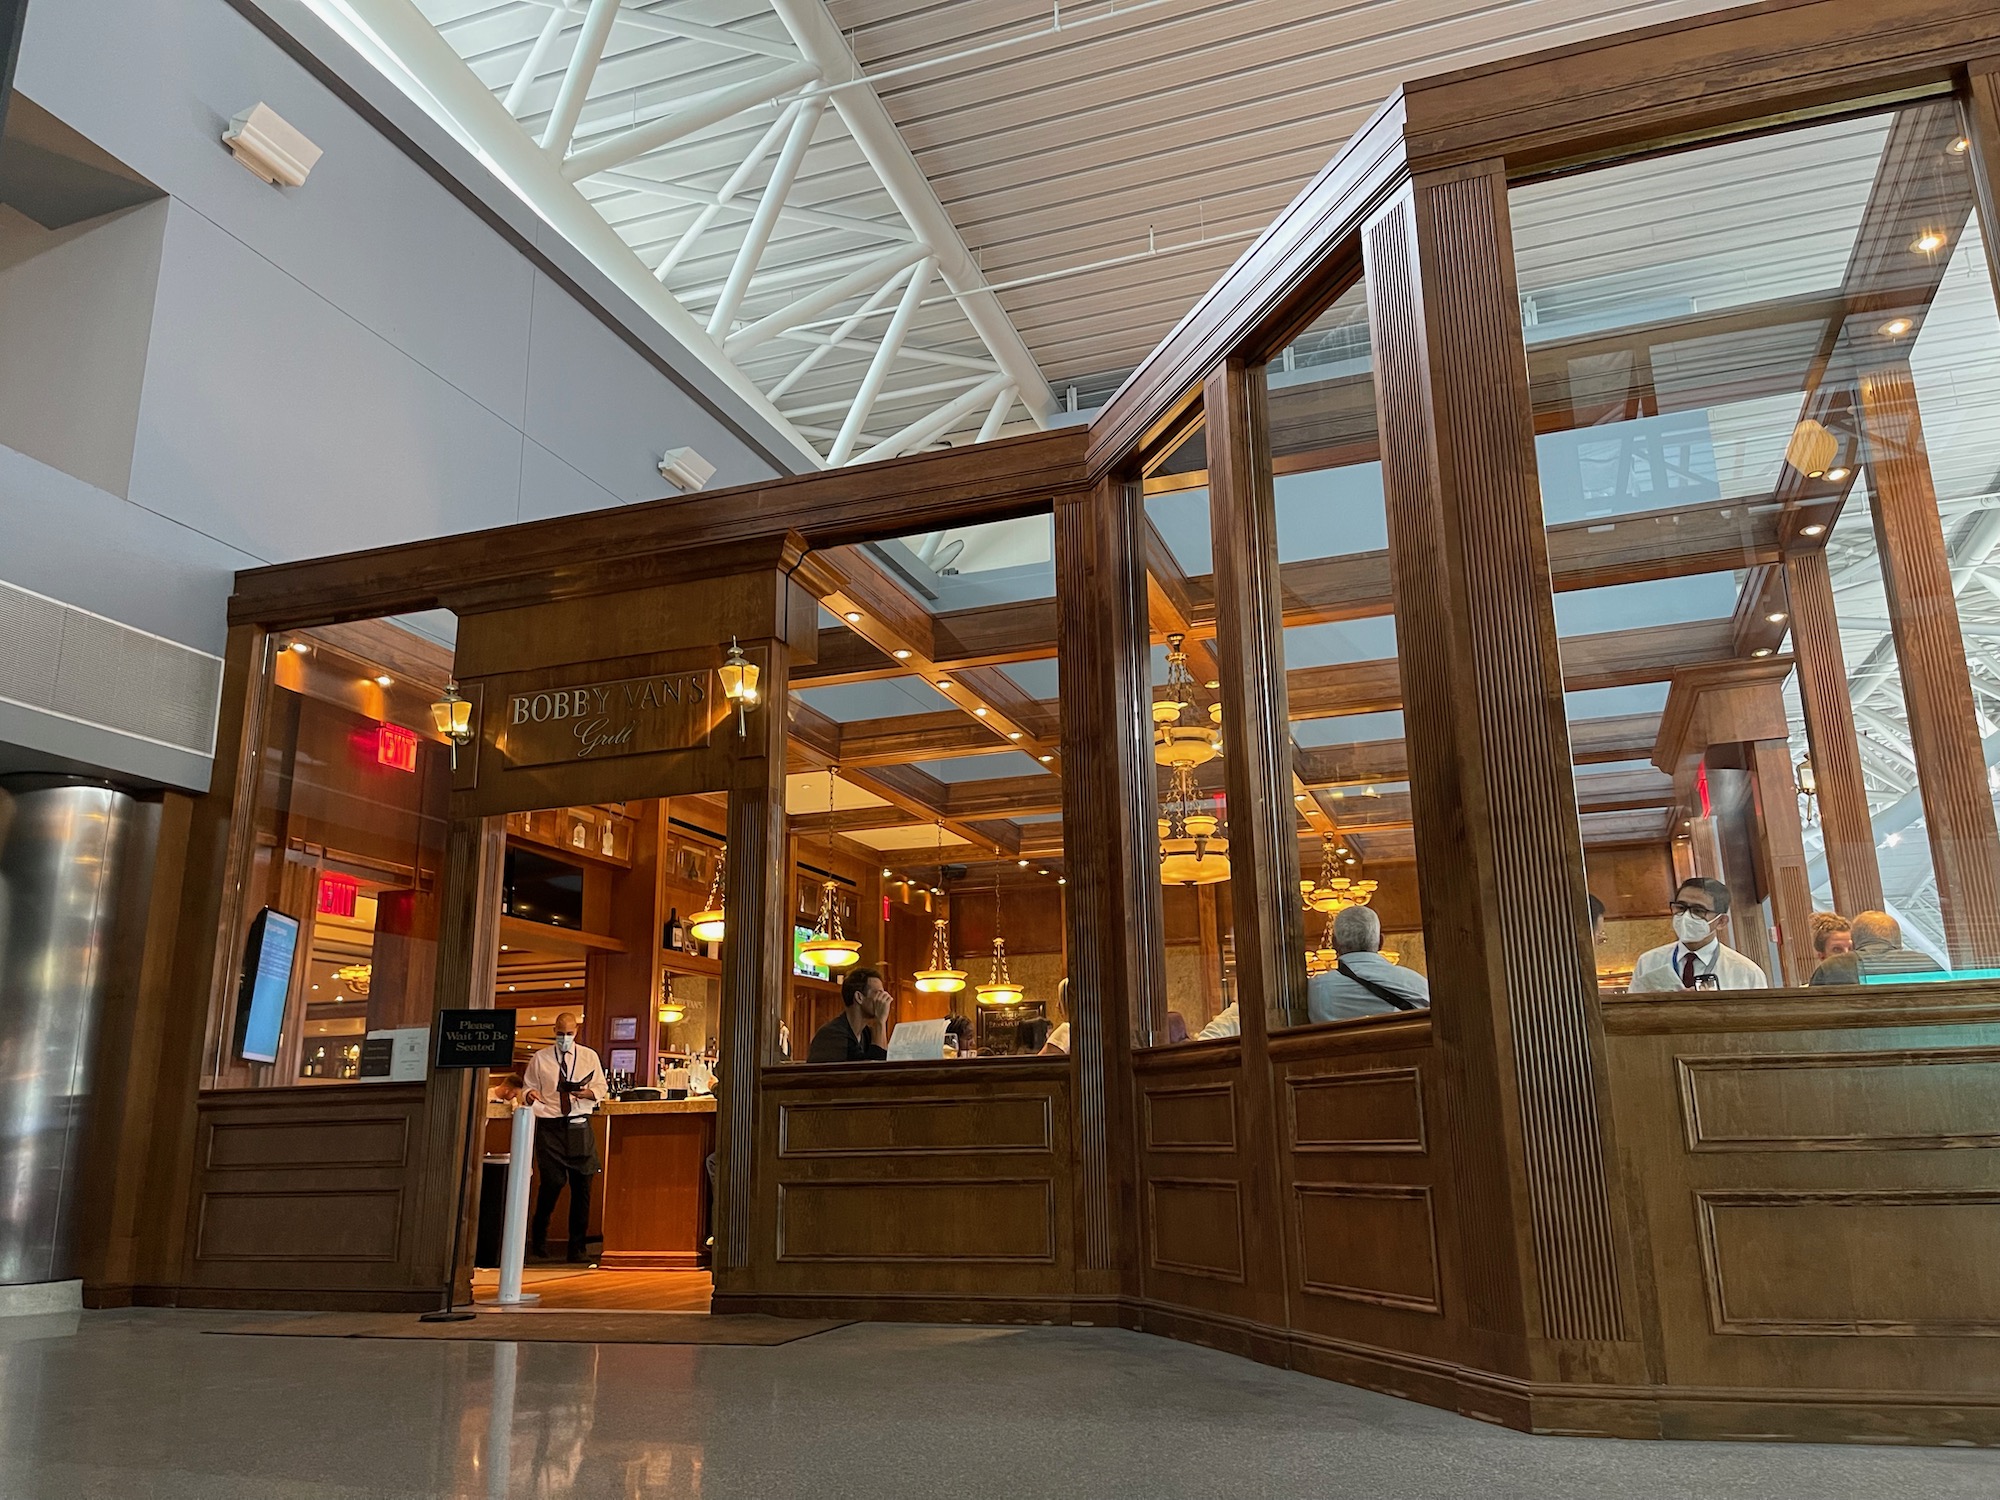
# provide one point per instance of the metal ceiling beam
(698, 113)
(820, 42)
(423, 53)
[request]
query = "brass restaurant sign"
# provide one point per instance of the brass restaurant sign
(597, 720)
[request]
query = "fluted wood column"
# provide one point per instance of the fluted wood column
(1930, 657)
(463, 977)
(1250, 650)
(1842, 798)
(1784, 857)
(1114, 963)
(756, 953)
(1499, 854)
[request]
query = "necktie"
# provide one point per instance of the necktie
(1687, 972)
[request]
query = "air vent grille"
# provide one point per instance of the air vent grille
(68, 661)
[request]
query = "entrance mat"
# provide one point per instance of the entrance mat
(529, 1327)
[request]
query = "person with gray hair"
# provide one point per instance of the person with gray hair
(1362, 982)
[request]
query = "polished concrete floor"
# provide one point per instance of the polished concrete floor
(150, 1406)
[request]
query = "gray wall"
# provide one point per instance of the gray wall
(397, 350)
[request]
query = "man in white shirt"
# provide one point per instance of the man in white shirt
(1362, 982)
(563, 1084)
(1697, 959)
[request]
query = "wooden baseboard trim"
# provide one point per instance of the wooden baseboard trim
(300, 1299)
(927, 1307)
(653, 1260)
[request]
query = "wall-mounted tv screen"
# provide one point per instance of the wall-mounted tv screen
(800, 963)
(267, 980)
(536, 888)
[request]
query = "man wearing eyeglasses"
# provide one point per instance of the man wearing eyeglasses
(1697, 959)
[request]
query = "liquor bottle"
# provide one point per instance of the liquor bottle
(675, 936)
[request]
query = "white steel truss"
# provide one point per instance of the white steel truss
(729, 167)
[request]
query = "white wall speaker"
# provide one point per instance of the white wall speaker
(270, 146)
(685, 469)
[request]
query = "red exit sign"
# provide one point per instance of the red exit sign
(396, 747)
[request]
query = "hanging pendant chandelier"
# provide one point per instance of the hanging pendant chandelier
(1325, 956)
(1333, 891)
(1000, 989)
(829, 946)
(1194, 850)
(940, 978)
(671, 1010)
(707, 925)
(1180, 737)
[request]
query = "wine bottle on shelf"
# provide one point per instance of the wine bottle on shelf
(675, 936)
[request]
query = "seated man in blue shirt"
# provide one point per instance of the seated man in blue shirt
(1363, 982)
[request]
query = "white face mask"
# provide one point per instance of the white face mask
(564, 1041)
(1692, 930)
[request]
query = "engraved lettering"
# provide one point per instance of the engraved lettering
(520, 710)
(593, 735)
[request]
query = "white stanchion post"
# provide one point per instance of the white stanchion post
(514, 1229)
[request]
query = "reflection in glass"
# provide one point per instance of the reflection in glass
(1765, 388)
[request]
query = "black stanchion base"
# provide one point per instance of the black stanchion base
(449, 1315)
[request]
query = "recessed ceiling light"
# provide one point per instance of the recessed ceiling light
(944, 682)
(902, 653)
(853, 617)
(1929, 242)
(301, 647)
(1813, 530)
(1761, 651)
(1013, 734)
(1211, 686)
(315, 986)
(1022, 863)
(1298, 796)
(565, 984)
(385, 680)
(503, 947)
(1062, 880)
(980, 712)
(1834, 476)
(1350, 861)
(510, 989)
(1959, 147)
(1895, 328)
(1776, 617)
(1045, 759)
(885, 872)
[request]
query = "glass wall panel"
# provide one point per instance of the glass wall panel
(336, 948)
(1767, 407)
(925, 794)
(1363, 923)
(1189, 741)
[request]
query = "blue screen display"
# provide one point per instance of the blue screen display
(267, 980)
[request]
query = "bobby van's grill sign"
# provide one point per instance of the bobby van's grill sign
(597, 720)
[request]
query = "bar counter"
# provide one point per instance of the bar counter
(655, 1186)
(651, 1202)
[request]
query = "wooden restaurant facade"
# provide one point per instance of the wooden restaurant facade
(1600, 436)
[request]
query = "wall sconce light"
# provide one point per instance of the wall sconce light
(270, 146)
(453, 717)
(1806, 782)
(739, 684)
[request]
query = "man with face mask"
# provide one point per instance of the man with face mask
(1697, 960)
(564, 1083)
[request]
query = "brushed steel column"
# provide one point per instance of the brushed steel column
(61, 843)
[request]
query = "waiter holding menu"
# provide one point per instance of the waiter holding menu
(563, 1085)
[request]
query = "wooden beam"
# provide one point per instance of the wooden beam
(629, 546)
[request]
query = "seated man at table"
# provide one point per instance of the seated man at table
(858, 1033)
(1878, 950)
(1696, 960)
(1362, 982)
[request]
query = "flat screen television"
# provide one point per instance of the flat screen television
(536, 888)
(800, 963)
(268, 956)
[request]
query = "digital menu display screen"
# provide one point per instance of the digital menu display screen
(267, 979)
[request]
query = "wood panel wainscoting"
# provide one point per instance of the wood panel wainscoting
(915, 1190)
(310, 1197)
(1820, 1186)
